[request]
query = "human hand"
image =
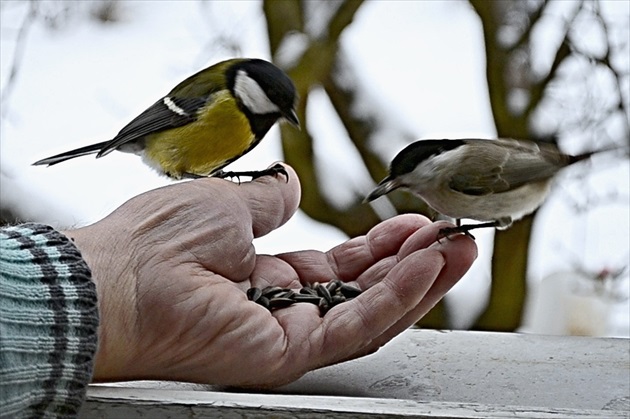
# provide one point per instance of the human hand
(172, 266)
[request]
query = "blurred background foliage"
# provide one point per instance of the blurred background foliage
(531, 85)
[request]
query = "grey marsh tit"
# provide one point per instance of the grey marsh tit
(493, 181)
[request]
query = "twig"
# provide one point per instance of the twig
(18, 54)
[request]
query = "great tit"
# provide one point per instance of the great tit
(206, 122)
(495, 181)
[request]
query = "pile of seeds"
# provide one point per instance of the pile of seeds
(325, 296)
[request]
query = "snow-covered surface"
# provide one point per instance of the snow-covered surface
(423, 60)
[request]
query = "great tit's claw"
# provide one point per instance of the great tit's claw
(275, 170)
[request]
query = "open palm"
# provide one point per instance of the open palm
(173, 265)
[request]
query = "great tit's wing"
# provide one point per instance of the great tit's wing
(176, 109)
(506, 165)
(168, 112)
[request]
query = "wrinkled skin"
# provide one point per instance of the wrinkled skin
(172, 266)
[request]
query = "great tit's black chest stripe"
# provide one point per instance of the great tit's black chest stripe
(260, 124)
(168, 112)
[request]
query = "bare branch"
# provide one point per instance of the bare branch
(343, 18)
(18, 54)
(533, 20)
(606, 61)
(538, 89)
(282, 18)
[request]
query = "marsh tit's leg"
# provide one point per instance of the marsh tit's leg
(465, 229)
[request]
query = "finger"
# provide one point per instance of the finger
(271, 271)
(423, 238)
(408, 292)
(348, 260)
(222, 218)
(352, 327)
(459, 253)
(272, 200)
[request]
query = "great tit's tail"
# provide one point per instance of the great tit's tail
(83, 151)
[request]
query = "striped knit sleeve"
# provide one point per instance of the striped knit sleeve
(48, 323)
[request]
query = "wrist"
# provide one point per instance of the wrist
(115, 293)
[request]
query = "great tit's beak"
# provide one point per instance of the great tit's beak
(292, 118)
(384, 187)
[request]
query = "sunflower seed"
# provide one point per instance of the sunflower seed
(304, 298)
(308, 291)
(271, 292)
(279, 302)
(325, 296)
(286, 294)
(324, 293)
(333, 285)
(349, 291)
(324, 306)
(337, 299)
(253, 294)
(263, 301)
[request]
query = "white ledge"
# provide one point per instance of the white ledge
(422, 373)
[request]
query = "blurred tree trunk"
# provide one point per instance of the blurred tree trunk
(508, 69)
(511, 247)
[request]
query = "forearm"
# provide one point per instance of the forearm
(48, 323)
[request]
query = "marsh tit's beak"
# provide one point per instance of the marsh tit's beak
(384, 187)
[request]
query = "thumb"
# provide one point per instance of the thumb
(272, 200)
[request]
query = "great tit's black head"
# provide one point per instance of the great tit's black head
(417, 152)
(407, 160)
(265, 93)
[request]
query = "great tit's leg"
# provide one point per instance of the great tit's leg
(274, 170)
(187, 175)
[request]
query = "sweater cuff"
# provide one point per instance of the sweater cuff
(48, 323)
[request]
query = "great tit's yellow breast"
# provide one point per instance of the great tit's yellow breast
(220, 133)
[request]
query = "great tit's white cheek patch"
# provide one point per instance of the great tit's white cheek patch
(252, 95)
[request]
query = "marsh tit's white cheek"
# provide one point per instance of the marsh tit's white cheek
(249, 92)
